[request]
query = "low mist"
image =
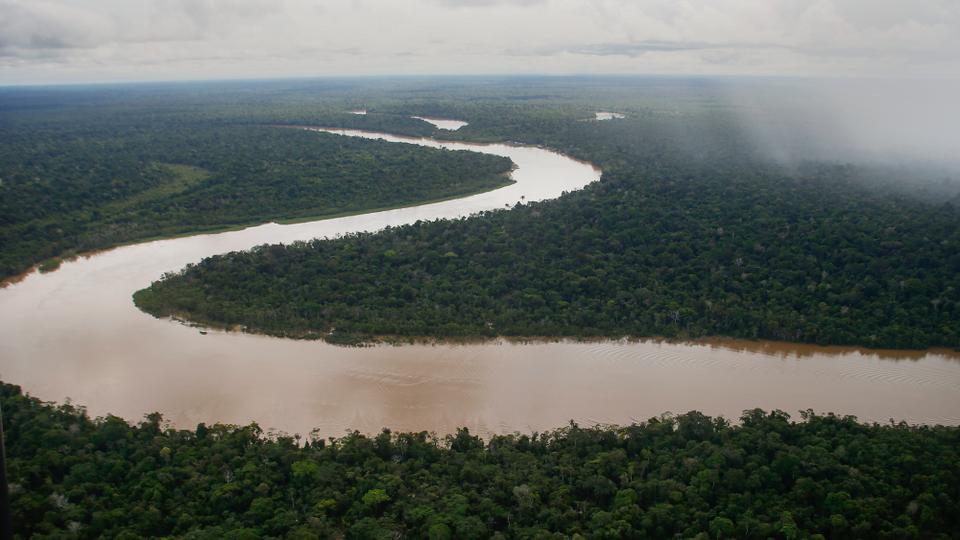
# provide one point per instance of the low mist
(881, 122)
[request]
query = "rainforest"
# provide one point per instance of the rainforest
(260, 313)
(112, 177)
(689, 475)
(479, 269)
(693, 231)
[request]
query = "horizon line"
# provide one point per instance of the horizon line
(255, 79)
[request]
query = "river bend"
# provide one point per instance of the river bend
(76, 333)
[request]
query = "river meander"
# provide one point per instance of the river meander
(76, 333)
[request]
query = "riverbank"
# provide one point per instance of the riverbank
(70, 257)
(75, 332)
(780, 349)
(174, 181)
(624, 467)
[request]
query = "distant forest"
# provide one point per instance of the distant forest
(109, 174)
(689, 476)
(695, 230)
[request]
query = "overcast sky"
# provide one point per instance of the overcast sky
(61, 41)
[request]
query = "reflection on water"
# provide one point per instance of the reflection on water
(784, 349)
(75, 333)
(608, 115)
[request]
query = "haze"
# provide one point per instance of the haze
(69, 41)
(880, 75)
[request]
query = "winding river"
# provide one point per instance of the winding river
(75, 333)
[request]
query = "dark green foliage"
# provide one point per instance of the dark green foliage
(689, 476)
(696, 229)
(753, 253)
(67, 188)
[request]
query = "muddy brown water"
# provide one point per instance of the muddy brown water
(75, 333)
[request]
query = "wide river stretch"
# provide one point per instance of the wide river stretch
(76, 333)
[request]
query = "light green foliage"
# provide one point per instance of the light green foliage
(375, 497)
(305, 470)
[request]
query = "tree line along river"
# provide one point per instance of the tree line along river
(76, 333)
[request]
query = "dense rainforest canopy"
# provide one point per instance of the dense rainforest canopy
(694, 230)
(687, 476)
(71, 184)
(805, 258)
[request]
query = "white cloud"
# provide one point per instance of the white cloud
(74, 40)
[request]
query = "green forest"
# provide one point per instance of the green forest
(808, 259)
(697, 228)
(689, 476)
(69, 185)
(693, 231)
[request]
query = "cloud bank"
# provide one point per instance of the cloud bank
(108, 40)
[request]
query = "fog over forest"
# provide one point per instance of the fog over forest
(880, 121)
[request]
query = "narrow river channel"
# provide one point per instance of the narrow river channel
(76, 333)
